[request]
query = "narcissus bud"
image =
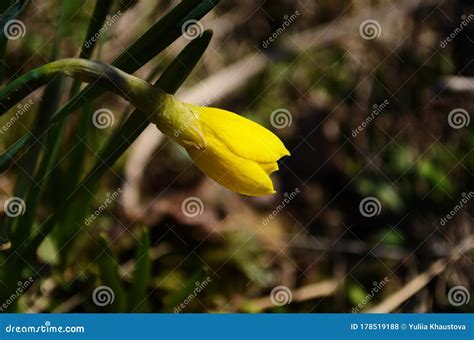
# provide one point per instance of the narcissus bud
(232, 150)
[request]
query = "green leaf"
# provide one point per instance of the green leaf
(7, 156)
(141, 275)
(109, 275)
(101, 9)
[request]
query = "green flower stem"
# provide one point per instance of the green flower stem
(140, 93)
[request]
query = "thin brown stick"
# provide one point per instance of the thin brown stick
(305, 293)
(421, 280)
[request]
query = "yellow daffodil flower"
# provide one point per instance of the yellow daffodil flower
(232, 150)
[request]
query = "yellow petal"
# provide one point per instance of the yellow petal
(235, 173)
(242, 136)
(269, 167)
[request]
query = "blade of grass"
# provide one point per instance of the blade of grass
(136, 298)
(109, 274)
(101, 9)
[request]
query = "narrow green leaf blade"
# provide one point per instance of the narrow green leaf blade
(141, 275)
(109, 274)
